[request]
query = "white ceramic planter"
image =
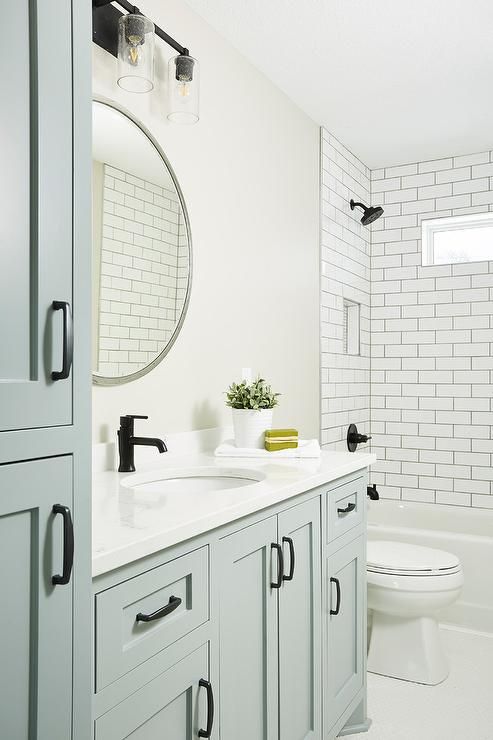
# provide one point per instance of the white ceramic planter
(250, 425)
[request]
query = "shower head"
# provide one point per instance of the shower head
(370, 213)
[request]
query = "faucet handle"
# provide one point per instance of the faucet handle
(128, 420)
(354, 438)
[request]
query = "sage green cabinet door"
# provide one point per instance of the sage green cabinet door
(346, 598)
(300, 620)
(36, 240)
(248, 634)
(171, 707)
(35, 615)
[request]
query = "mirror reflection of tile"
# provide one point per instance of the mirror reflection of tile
(143, 271)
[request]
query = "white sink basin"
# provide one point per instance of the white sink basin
(192, 480)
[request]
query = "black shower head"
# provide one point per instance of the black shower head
(370, 213)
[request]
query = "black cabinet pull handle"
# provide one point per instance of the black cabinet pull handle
(290, 542)
(338, 595)
(173, 603)
(68, 340)
(68, 545)
(210, 707)
(349, 507)
(280, 565)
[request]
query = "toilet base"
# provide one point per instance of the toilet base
(409, 649)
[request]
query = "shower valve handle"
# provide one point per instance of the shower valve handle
(354, 438)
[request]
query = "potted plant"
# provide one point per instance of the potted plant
(252, 405)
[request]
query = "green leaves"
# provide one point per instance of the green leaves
(257, 395)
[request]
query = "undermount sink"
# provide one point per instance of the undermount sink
(192, 480)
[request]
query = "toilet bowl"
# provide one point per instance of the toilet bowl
(407, 585)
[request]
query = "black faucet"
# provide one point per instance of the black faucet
(372, 493)
(127, 442)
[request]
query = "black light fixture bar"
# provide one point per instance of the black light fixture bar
(105, 23)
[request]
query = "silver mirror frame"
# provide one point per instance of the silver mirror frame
(101, 379)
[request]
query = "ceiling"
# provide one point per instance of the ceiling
(395, 80)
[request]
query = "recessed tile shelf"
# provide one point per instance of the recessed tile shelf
(351, 328)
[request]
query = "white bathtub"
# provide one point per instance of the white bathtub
(466, 532)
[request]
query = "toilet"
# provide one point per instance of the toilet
(407, 585)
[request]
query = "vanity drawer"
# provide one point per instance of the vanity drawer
(176, 595)
(345, 508)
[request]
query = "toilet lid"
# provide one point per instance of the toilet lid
(403, 558)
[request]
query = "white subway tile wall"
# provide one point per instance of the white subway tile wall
(431, 340)
(144, 271)
(345, 276)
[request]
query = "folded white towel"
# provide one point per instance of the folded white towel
(306, 448)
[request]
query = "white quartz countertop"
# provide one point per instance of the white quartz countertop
(130, 523)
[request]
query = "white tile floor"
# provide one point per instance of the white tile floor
(461, 708)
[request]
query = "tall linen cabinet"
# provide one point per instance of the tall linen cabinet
(45, 380)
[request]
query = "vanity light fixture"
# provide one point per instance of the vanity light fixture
(129, 36)
(183, 89)
(135, 53)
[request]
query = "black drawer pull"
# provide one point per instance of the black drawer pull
(68, 545)
(173, 603)
(290, 542)
(210, 708)
(280, 565)
(68, 340)
(338, 595)
(350, 507)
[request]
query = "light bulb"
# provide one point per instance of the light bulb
(134, 55)
(183, 89)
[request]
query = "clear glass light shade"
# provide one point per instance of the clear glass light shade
(183, 89)
(135, 53)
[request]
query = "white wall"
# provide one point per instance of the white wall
(345, 266)
(249, 173)
(432, 339)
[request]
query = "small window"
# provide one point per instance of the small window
(457, 239)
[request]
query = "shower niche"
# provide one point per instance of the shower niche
(351, 324)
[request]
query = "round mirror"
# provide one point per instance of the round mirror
(142, 251)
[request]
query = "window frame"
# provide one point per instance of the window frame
(432, 226)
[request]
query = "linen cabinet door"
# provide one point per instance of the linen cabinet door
(36, 611)
(300, 623)
(36, 241)
(344, 623)
(177, 705)
(248, 633)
